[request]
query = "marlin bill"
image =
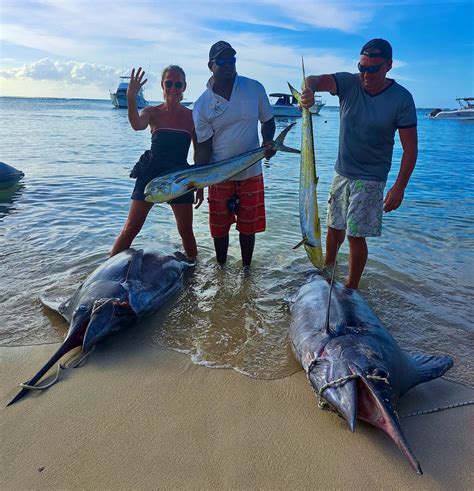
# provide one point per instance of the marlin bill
(309, 215)
(169, 186)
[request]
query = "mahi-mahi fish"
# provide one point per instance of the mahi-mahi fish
(309, 215)
(125, 288)
(351, 360)
(169, 186)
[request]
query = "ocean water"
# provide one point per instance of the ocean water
(62, 221)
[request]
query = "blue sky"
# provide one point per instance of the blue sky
(78, 48)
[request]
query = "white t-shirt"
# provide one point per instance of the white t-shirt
(233, 124)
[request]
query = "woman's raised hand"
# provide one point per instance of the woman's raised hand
(136, 82)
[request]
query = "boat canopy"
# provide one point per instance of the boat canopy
(466, 102)
(283, 99)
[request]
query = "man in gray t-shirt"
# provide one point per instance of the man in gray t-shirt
(372, 108)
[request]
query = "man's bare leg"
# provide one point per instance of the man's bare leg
(247, 243)
(221, 245)
(334, 239)
(358, 254)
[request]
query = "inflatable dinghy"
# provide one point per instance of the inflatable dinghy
(9, 176)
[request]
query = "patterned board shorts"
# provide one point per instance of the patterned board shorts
(248, 210)
(356, 206)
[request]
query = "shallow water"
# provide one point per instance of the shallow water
(61, 223)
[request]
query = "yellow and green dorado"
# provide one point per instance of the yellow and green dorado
(309, 216)
(169, 186)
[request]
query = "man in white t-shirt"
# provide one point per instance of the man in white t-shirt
(226, 120)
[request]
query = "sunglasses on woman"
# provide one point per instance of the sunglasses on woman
(224, 61)
(169, 84)
(370, 69)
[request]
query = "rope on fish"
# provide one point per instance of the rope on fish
(378, 377)
(322, 403)
(437, 409)
(79, 359)
(338, 381)
(73, 363)
(25, 385)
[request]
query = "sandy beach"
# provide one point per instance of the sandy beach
(137, 417)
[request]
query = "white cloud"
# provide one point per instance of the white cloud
(74, 72)
(342, 16)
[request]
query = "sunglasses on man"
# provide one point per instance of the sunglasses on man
(370, 69)
(169, 83)
(225, 61)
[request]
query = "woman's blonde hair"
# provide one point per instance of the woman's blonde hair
(170, 68)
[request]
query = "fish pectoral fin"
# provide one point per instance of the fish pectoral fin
(302, 242)
(431, 367)
(58, 307)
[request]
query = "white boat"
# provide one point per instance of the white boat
(465, 111)
(287, 107)
(119, 97)
(318, 104)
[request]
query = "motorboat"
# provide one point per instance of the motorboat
(318, 104)
(286, 106)
(465, 111)
(119, 97)
(9, 176)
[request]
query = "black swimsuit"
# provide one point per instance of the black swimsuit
(168, 153)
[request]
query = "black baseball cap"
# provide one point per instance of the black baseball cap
(377, 48)
(218, 48)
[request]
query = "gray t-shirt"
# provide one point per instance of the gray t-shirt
(368, 125)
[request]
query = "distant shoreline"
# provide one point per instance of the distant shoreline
(151, 102)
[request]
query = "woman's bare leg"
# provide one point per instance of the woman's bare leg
(184, 223)
(136, 218)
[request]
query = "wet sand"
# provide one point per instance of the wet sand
(136, 417)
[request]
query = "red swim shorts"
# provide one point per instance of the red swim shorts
(250, 213)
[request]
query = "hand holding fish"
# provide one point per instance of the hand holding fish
(136, 82)
(269, 150)
(307, 98)
(199, 198)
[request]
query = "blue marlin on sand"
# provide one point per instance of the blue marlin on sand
(125, 288)
(352, 361)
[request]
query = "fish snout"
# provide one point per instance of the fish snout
(157, 191)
